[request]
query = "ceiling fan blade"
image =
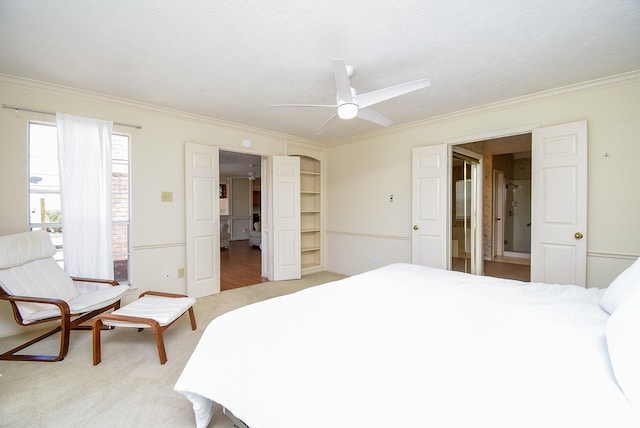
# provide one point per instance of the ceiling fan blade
(374, 116)
(374, 97)
(343, 84)
(304, 105)
(325, 124)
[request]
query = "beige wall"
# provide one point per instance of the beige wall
(157, 165)
(365, 230)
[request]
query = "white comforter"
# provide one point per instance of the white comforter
(410, 346)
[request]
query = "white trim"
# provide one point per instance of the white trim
(369, 235)
(36, 85)
(468, 153)
(509, 132)
(160, 245)
(517, 255)
(610, 255)
(56, 89)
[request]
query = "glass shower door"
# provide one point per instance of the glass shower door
(465, 218)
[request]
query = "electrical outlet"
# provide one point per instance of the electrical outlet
(391, 197)
(166, 275)
(180, 273)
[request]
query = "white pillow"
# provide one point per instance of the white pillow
(21, 248)
(623, 287)
(623, 333)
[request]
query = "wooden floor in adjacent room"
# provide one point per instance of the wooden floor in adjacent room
(508, 270)
(504, 267)
(509, 267)
(240, 265)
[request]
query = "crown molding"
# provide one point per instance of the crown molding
(61, 90)
(35, 85)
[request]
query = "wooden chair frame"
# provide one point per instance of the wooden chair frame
(68, 322)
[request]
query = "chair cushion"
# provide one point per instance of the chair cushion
(164, 310)
(39, 278)
(81, 304)
(27, 269)
(22, 248)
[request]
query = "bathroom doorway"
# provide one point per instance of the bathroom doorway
(506, 221)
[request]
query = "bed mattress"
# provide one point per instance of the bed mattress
(408, 345)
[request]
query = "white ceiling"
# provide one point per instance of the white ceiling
(233, 164)
(231, 59)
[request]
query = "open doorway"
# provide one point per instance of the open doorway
(240, 220)
(506, 222)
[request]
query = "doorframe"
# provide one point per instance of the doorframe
(265, 208)
(465, 139)
(509, 132)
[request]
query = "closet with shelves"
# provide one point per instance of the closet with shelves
(310, 193)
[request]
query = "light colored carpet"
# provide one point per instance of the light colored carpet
(129, 388)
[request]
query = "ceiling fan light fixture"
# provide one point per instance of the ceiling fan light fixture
(347, 110)
(348, 102)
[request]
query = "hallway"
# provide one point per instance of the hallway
(240, 265)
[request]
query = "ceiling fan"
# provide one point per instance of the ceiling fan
(349, 104)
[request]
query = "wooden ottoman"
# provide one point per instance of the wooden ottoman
(154, 310)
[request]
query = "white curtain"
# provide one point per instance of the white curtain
(84, 156)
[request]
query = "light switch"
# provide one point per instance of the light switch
(166, 196)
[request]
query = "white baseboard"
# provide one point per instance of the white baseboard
(517, 255)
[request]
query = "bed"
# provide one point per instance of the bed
(408, 345)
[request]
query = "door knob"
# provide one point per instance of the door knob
(415, 227)
(578, 235)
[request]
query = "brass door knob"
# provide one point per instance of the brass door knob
(578, 235)
(415, 227)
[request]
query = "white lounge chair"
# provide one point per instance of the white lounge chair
(40, 291)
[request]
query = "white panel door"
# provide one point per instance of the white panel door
(202, 220)
(559, 208)
(285, 228)
(429, 206)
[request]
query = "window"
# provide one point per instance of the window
(44, 193)
(463, 199)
